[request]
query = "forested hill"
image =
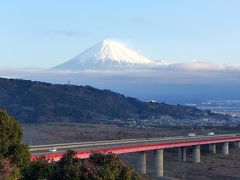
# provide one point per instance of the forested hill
(33, 102)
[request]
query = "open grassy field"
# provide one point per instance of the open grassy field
(46, 133)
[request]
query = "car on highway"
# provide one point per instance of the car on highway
(191, 134)
(53, 149)
(210, 134)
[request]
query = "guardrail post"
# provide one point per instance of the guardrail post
(225, 148)
(142, 163)
(196, 154)
(159, 163)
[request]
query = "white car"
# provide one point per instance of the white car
(191, 134)
(210, 134)
(53, 149)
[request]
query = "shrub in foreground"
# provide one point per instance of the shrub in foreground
(97, 167)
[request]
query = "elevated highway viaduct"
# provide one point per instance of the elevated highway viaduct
(142, 146)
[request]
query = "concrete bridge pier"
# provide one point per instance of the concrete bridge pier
(212, 148)
(159, 163)
(142, 162)
(182, 154)
(225, 148)
(196, 154)
(237, 144)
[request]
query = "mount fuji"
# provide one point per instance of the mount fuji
(112, 65)
(107, 54)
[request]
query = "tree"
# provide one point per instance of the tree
(68, 167)
(88, 171)
(13, 154)
(109, 167)
(19, 155)
(10, 133)
(38, 169)
(128, 173)
(9, 171)
(97, 167)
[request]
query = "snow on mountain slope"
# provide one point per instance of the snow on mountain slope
(106, 54)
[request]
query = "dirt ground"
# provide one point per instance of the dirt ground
(47, 133)
(211, 167)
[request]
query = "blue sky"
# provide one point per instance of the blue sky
(45, 33)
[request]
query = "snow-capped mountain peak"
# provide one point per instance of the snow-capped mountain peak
(115, 51)
(108, 53)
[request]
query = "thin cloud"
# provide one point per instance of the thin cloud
(195, 72)
(197, 65)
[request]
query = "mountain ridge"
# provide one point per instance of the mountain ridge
(36, 102)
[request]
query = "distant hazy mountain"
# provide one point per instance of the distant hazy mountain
(43, 102)
(106, 54)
